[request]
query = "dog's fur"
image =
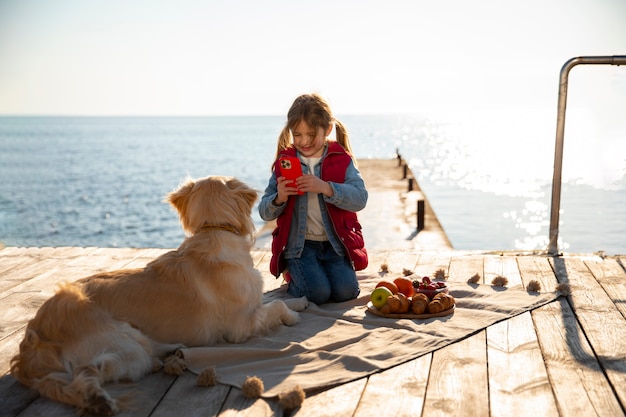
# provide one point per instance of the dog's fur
(119, 325)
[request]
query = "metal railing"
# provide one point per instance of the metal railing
(560, 129)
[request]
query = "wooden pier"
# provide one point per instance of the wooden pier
(566, 358)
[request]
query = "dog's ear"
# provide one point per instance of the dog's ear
(248, 194)
(180, 197)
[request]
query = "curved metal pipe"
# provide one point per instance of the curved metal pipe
(560, 130)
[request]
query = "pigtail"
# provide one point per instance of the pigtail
(343, 138)
(284, 141)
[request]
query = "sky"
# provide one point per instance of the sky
(205, 57)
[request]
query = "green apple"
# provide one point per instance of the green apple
(379, 296)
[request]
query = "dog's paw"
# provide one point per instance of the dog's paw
(290, 318)
(297, 304)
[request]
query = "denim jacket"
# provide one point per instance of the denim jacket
(351, 195)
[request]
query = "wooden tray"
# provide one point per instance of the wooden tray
(374, 310)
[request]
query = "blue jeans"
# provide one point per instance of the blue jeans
(321, 275)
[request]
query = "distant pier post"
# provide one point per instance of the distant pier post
(420, 214)
(421, 207)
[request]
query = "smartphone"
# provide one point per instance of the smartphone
(291, 169)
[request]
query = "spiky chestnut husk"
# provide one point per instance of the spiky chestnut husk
(292, 399)
(534, 286)
(474, 278)
(207, 378)
(252, 387)
(500, 281)
(440, 274)
(174, 365)
(564, 289)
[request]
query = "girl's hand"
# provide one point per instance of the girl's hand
(312, 184)
(285, 188)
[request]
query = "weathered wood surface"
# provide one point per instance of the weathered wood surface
(567, 358)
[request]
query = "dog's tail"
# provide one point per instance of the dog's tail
(42, 365)
(40, 350)
(39, 367)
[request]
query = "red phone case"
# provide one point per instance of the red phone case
(290, 168)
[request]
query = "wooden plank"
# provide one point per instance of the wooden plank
(430, 262)
(610, 274)
(14, 397)
(398, 391)
(13, 261)
(397, 261)
(38, 261)
(394, 261)
(457, 385)
(375, 260)
(492, 268)
(147, 397)
(518, 379)
(603, 325)
(29, 251)
(579, 385)
(54, 265)
(462, 268)
(10, 250)
(45, 407)
(198, 401)
(339, 401)
(20, 396)
(238, 405)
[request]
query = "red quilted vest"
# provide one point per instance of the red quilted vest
(345, 222)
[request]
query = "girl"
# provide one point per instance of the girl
(317, 241)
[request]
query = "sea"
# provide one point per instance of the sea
(101, 181)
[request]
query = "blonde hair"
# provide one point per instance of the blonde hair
(315, 112)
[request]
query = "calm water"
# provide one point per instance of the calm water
(89, 181)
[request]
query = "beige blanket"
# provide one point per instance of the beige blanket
(339, 342)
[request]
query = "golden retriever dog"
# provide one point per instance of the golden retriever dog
(119, 325)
